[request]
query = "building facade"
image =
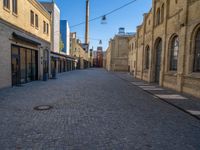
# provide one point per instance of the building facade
(60, 61)
(117, 52)
(167, 45)
(98, 57)
(24, 44)
(77, 51)
(132, 56)
(65, 37)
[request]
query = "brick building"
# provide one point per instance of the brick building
(167, 46)
(77, 51)
(24, 42)
(98, 57)
(60, 61)
(117, 53)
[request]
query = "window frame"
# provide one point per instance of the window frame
(15, 6)
(36, 21)
(162, 12)
(44, 27)
(158, 15)
(32, 18)
(196, 52)
(147, 58)
(173, 49)
(47, 28)
(6, 4)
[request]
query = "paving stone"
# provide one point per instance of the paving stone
(92, 110)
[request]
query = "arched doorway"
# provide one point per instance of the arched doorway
(158, 51)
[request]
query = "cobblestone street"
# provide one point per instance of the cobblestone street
(92, 110)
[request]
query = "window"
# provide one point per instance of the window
(158, 17)
(132, 46)
(6, 4)
(44, 27)
(162, 13)
(47, 28)
(14, 6)
(149, 22)
(32, 18)
(174, 53)
(36, 21)
(196, 67)
(147, 52)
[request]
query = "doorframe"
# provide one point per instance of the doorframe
(37, 54)
(157, 41)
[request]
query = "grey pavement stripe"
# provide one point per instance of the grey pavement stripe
(170, 96)
(194, 112)
(151, 88)
(139, 83)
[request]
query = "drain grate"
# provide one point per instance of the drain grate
(43, 107)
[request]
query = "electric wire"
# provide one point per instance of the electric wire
(109, 13)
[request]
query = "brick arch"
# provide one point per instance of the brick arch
(147, 57)
(157, 59)
(194, 47)
(172, 64)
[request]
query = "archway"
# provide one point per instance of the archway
(158, 52)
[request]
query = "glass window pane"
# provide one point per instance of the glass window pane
(29, 73)
(197, 53)
(34, 65)
(23, 65)
(174, 53)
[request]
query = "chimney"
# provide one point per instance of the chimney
(87, 23)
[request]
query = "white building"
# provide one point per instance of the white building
(55, 12)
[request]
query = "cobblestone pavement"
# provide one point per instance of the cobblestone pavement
(182, 101)
(92, 110)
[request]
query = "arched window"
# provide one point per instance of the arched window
(147, 53)
(197, 52)
(158, 17)
(162, 13)
(174, 53)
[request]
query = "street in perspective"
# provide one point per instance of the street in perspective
(100, 75)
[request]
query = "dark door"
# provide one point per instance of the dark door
(15, 62)
(158, 60)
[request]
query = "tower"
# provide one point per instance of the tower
(87, 23)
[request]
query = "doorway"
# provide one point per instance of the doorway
(24, 65)
(15, 66)
(158, 48)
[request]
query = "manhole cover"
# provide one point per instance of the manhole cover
(43, 107)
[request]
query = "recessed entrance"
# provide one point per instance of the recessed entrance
(158, 49)
(24, 63)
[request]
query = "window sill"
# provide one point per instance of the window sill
(14, 14)
(32, 25)
(172, 73)
(194, 75)
(6, 9)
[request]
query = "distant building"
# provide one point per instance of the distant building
(118, 51)
(52, 8)
(98, 57)
(65, 36)
(77, 51)
(60, 61)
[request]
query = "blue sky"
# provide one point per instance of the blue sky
(129, 17)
